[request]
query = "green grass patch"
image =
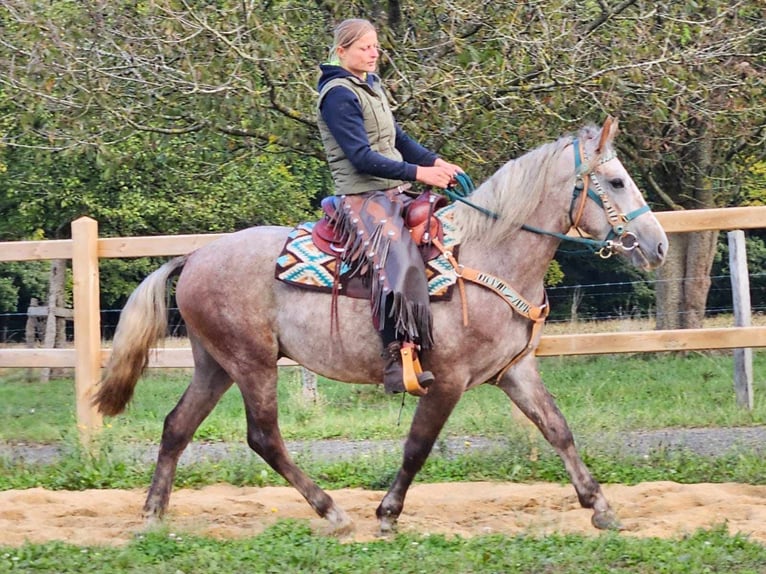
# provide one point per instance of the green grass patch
(291, 546)
(652, 391)
(612, 392)
(597, 395)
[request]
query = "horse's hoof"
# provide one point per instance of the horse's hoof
(340, 524)
(386, 526)
(606, 520)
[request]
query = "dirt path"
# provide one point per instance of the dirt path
(113, 517)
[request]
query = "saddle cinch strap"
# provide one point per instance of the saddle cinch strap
(535, 313)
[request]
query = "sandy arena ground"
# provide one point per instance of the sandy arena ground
(113, 517)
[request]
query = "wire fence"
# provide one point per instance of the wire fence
(595, 302)
(621, 299)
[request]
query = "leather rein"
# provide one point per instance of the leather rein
(618, 237)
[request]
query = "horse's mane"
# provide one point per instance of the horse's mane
(512, 192)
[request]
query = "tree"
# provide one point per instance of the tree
(478, 81)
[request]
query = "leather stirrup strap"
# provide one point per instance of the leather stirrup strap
(458, 271)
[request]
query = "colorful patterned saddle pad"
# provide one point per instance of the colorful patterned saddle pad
(302, 264)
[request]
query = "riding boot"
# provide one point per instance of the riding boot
(393, 373)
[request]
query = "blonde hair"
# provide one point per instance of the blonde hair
(346, 33)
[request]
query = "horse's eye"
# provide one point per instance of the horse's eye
(616, 183)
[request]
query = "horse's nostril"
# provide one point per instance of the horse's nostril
(661, 249)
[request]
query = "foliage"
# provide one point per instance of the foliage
(207, 123)
(554, 275)
(668, 389)
(291, 546)
(9, 294)
(519, 459)
(22, 281)
(147, 186)
(753, 189)
(479, 83)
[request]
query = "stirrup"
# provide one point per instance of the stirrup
(416, 381)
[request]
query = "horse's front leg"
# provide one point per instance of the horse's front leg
(522, 383)
(432, 412)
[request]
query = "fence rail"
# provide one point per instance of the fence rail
(87, 357)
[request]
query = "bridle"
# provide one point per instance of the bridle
(625, 239)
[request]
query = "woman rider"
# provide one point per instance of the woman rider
(372, 159)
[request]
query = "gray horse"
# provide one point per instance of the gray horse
(241, 320)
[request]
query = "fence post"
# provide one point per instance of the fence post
(87, 323)
(309, 385)
(740, 290)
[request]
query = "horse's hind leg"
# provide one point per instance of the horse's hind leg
(209, 383)
(432, 412)
(259, 391)
(524, 386)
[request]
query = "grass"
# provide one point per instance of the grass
(606, 393)
(291, 547)
(114, 466)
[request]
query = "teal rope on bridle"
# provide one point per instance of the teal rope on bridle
(465, 187)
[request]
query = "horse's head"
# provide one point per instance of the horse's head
(608, 205)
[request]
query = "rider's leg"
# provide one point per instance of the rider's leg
(393, 376)
(393, 369)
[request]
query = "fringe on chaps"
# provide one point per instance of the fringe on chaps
(378, 247)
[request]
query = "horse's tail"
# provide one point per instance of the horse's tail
(142, 322)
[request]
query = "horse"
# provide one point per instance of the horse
(241, 320)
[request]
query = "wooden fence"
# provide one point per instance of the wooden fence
(87, 357)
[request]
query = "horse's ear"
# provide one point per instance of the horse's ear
(608, 131)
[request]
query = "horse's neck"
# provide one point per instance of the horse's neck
(523, 257)
(522, 260)
(534, 190)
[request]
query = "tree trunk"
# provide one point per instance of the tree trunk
(684, 280)
(685, 277)
(669, 290)
(55, 301)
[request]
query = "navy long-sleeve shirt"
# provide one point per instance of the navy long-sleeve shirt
(342, 113)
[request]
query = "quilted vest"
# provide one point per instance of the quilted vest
(381, 133)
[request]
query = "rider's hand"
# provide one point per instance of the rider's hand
(455, 169)
(441, 174)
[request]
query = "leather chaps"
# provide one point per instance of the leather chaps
(378, 247)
